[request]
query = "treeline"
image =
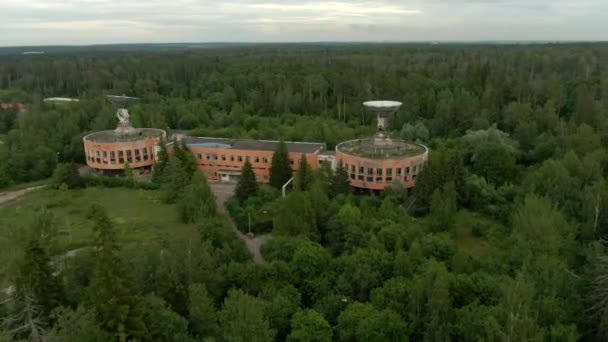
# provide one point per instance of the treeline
(503, 237)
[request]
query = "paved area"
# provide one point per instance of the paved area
(9, 196)
(223, 192)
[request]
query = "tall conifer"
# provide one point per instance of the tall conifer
(113, 294)
(248, 185)
(280, 169)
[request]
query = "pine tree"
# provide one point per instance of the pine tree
(280, 169)
(113, 294)
(304, 177)
(183, 154)
(197, 200)
(248, 185)
(174, 180)
(340, 184)
(37, 290)
(161, 162)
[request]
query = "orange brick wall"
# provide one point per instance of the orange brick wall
(95, 149)
(409, 167)
(212, 166)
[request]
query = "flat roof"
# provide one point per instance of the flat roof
(253, 145)
(113, 136)
(384, 149)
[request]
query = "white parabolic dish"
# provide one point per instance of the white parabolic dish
(383, 106)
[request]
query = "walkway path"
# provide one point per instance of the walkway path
(223, 191)
(9, 196)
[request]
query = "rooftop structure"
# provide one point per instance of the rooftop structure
(60, 99)
(375, 163)
(15, 106)
(252, 145)
(109, 151)
(122, 113)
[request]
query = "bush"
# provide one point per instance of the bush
(240, 215)
(116, 182)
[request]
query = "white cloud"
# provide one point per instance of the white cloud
(31, 22)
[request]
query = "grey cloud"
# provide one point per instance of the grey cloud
(31, 22)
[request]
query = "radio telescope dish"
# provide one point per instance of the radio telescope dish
(121, 101)
(382, 109)
(122, 113)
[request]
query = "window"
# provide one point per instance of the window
(361, 170)
(378, 175)
(240, 158)
(137, 156)
(415, 167)
(215, 157)
(199, 156)
(256, 159)
(121, 157)
(352, 168)
(231, 158)
(151, 153)
(370, 174)
(97, 157)
(112, 157)
(105, 157)
(265, 160)
(399, 173)
(145, 151)
(207, 156)
(223, 157)
(352, 176)
(389, 175)
(407, 170)
(291, 161)
(129, 156)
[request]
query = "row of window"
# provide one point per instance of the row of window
(130, 156)
(231, 158)
(256, 159)
(380, 175)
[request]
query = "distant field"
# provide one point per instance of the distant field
(138, 215)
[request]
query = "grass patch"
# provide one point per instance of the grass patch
(138, 216)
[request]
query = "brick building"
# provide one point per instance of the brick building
(223, 159)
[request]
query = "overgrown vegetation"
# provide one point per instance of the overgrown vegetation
(503, 237)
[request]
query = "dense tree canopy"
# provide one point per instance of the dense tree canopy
(503, 237)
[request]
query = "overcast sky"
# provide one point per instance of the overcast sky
(41, 22)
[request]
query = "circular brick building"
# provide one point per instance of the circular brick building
(374, 164)
(108, 152)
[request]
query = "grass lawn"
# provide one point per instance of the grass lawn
(138, 216)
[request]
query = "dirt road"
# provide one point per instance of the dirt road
(223, 192)
(9, 196)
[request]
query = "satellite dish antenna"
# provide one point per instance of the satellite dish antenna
(122, 103)
(383, 110)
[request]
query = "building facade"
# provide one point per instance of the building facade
(108, 152)
(372, 167)
(222, 159)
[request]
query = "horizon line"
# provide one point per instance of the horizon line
(428, 41)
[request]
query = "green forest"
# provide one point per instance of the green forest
(502, 239)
